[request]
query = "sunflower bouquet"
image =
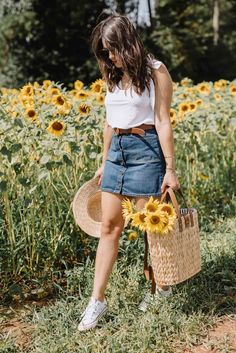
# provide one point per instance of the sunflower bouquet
(154, 217)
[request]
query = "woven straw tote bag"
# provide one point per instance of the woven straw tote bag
(175, 256)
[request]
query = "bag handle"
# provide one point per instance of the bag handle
(171, 193)
(148, 271)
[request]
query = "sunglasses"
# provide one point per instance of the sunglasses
(105, 52)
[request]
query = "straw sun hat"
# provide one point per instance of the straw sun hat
(86, 207)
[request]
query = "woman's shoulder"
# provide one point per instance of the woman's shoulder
(154, 62)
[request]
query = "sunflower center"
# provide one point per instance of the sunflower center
(97, 88)
(60, 100)
(155, 219)
(166, 209)
(142, 217)
(31, 113)
(57, 126)
(151, 208)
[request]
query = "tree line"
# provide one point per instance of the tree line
(41, 39)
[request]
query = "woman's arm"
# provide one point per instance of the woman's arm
(107, 135)
(163, 98)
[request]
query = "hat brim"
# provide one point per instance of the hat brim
(86, 207)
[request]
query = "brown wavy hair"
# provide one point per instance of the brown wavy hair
(121, 38)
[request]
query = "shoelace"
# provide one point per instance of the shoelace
(90, 310)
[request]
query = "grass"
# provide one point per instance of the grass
(167, 327)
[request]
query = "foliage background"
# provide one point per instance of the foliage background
(42, 39)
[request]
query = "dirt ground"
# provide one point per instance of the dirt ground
(223, 332)
(14, 324)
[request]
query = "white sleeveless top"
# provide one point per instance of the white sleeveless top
(125, 108)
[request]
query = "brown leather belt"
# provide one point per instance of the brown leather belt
(133, 130)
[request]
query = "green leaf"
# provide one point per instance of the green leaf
(16, 147)
(51, 165)
(24, 181)
(4, 151)
(3, 185)
(18, 122)
(66, 159)
(17, 167)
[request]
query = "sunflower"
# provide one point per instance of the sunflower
(217, 97)
(184, 107)
(168, 225)
(183, 95)
(54, 91)
(26, 101)
(14, 101)
(97, 86)
(173, 113)
(128, 208)
(173, 122)
(204, 88)
(222, 82)
(46, 100)
(65, 109)
(232, 89)
(84, 109)
(31, 114)
(27, 90)
(58, 100)
(100, 99)
(138, 220)
(168, 208)
(199, 101)
(217, 86)
(155, 221)
(78, 85)
(63, 106)
(185, 82)
(151, 205)
(46, 84)
(56, 127)
(132, 235)
(82, 94)
(73, 92)
(192, 106)
(190, 89)
(36, 84)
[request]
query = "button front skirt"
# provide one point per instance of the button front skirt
(135, 165)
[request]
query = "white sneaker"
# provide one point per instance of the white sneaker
(93, 312)
(149, 297)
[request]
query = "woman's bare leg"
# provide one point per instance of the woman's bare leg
(107, 250)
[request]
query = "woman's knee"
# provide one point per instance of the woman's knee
(112, 227)
(112, 218)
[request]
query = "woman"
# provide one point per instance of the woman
(138, 155)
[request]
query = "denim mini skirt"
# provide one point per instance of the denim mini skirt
(135, 165)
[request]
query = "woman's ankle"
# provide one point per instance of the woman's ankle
(99, 297)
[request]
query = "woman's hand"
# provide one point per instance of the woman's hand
(99, 174)
(170, 179)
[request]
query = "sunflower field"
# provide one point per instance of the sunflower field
(51, 142)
